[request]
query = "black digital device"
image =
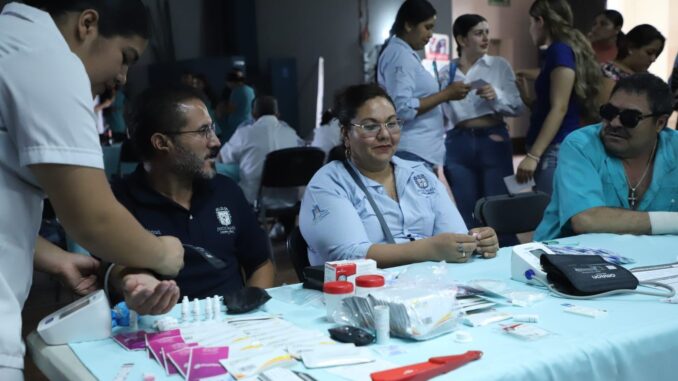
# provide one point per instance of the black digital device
(586, 274)
(315, 277)
(348, 334)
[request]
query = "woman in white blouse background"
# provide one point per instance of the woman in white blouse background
(478, 146)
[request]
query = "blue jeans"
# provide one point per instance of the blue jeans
(476, 162)
(543, 176)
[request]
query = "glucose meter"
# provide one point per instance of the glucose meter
(86, 319)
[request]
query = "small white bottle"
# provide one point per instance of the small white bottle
(382, 322)
(208, 309)
(185, 310)
(196, 310)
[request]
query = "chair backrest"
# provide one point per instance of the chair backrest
(230, 170)
(337, 153)
(291, 167)
(297, 249)
(112, 159)
(129, 159)
(511, 214)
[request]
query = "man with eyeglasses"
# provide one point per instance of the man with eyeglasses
(619, 176)
(176, 190)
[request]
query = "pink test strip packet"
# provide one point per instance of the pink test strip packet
(156, 345)
(204, 362)
(170, 369)
(132, 341)
(180, 359)
(160, 335)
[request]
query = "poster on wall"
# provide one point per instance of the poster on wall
(438, 47)
(436, 53)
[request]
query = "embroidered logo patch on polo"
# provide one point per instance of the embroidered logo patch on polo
(319, 214)
(423, 185)
(421, 181)
(224, 216)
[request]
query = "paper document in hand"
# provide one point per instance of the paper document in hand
(514, 187)
(477, 84)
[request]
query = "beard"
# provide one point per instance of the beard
(189, 165)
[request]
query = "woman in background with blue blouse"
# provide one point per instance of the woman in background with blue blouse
(566, 89)
(414, 91)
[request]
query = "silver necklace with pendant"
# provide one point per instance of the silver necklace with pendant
(632, 198)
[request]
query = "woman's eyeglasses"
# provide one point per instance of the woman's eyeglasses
(627, 118)
(372, 129)
(206, 131)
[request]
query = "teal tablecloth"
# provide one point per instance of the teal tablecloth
(637, 340)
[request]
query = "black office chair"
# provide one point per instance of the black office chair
(512, 214)
(129, 159)
(287, 168)
(297, 250)
(337, 153)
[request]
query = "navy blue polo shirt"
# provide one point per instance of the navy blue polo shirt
(220, 220)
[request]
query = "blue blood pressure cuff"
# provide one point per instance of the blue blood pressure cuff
(586, 274)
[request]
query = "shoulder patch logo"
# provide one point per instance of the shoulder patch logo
(319, 214)
(421, 181)
(223, 215)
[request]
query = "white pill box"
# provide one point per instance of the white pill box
(347, 270)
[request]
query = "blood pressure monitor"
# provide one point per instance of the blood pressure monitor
(86, 319)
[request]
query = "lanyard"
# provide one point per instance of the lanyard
(380, 217)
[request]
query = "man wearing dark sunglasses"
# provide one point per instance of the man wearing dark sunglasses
(176, 191)
(619, 176)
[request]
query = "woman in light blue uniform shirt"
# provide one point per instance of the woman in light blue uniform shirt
(416, 94)
(336, 217)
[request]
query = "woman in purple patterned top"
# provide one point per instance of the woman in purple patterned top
(637, 51)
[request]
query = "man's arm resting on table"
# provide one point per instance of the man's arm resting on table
(623, 221)
(263, 276)
(85, 205)
(76, 271)
(142, 291)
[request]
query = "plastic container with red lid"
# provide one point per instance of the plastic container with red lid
(368, 283)
(334, 293)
